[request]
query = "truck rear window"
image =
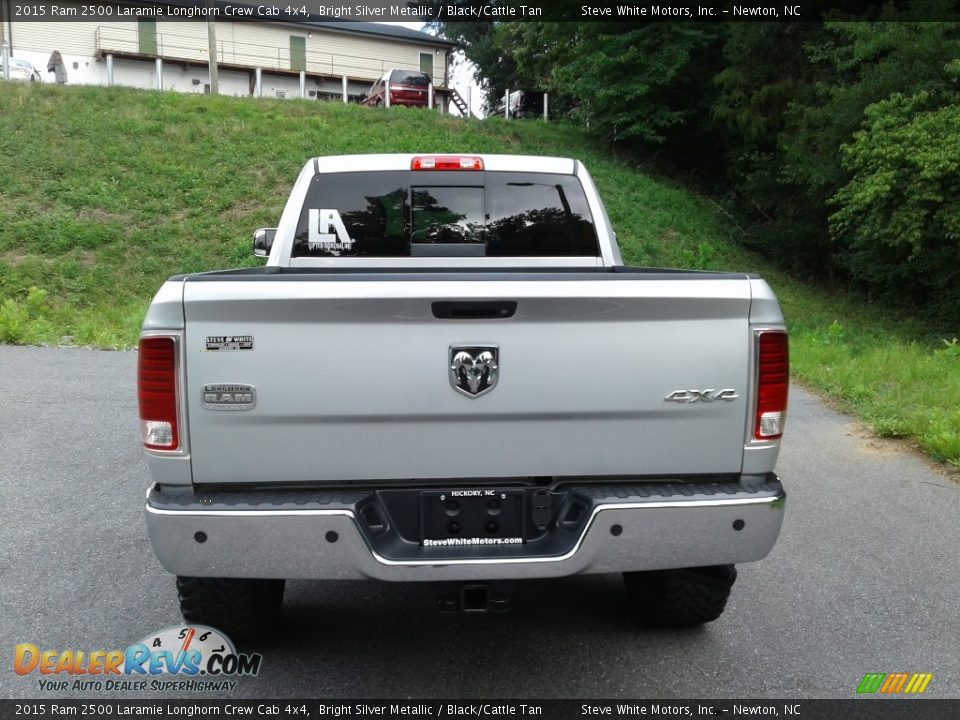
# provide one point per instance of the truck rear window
(410, 214)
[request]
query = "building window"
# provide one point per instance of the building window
(298, 53)
(147, 36)
(426, 64)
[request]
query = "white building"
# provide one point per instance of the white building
(323, 60)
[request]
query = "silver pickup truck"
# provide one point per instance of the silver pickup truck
(444, 372)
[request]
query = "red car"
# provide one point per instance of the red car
(407, 87)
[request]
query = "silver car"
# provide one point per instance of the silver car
(20, 70)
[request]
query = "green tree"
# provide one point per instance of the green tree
(790, 95)
(634, 82)
(766, 69)
(861, 63)
(482, 44)
(898, 217)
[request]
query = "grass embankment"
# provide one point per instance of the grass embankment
(106, 192)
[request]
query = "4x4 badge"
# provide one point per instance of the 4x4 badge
(474, 369)
(692, 396)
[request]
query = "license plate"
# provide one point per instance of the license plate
(455, 518)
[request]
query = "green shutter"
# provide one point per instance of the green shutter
(298, 53)
(426, 64)
(147, 36)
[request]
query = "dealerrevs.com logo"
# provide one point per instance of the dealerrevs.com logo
(178, 659)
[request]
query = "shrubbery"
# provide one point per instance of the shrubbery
(898, 219)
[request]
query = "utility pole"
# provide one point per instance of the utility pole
(212, 41)
(3, 44)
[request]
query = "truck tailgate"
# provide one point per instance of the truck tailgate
(352, 380)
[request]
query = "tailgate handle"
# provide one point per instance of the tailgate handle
(475, 310)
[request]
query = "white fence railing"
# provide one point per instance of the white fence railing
(172, 46)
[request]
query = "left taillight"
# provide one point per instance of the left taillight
(157, 393)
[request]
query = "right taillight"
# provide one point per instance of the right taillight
(773, 381)
(157, 393)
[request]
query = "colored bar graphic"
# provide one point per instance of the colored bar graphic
(895, 683)
(871, 682)
(918, 683)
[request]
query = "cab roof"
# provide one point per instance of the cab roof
(402, 161)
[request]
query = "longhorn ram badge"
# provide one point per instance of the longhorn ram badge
(474, 370)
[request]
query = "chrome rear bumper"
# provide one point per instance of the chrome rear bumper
(321, 535)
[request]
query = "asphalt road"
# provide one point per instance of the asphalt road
(865, 577)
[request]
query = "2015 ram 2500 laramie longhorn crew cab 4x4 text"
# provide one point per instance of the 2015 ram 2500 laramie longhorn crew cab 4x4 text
(445, 372)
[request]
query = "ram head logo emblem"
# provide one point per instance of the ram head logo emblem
(474, 370)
